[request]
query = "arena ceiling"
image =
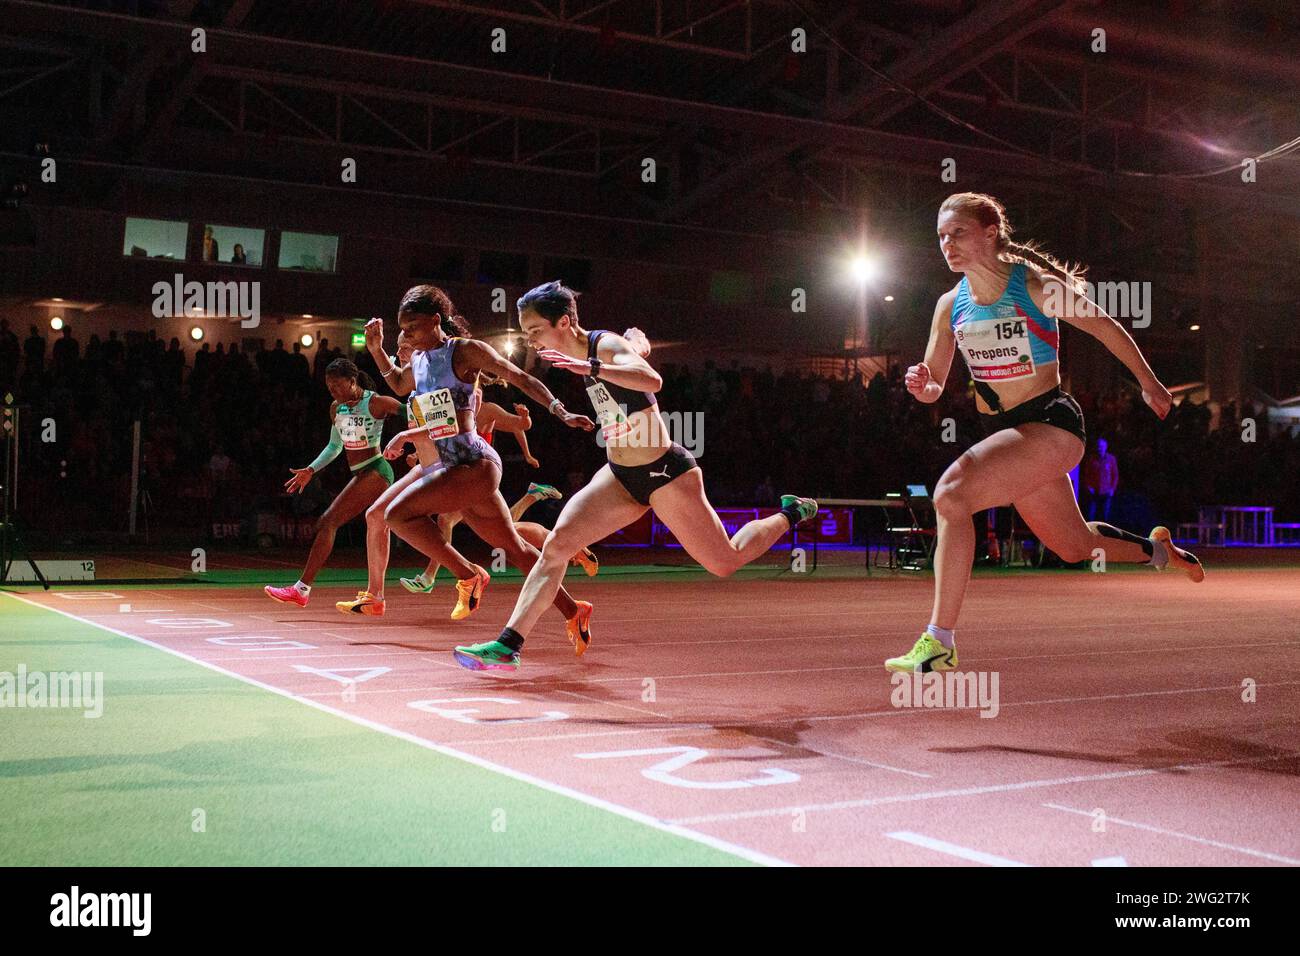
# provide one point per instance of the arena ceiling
(745, 133)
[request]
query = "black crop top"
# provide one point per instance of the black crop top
(630, 399)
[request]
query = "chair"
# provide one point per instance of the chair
(1014, 548)
(911, 544)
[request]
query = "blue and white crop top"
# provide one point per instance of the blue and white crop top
(1008, 339)
(439, 394)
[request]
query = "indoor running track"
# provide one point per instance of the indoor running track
(1142, 720)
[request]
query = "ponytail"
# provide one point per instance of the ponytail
(455, 325)
(1071, 274)
(431, 300)
(346, 368)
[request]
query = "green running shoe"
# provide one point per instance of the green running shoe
(544, 491)
(926, 655)
(492, 655)
(807, 507)
(417, 584)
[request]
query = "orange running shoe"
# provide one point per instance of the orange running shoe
(469, 593)
(363, 603)
(1179, 559)
(588, 560)
(579, 628)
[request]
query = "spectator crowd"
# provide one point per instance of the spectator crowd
(220, 427)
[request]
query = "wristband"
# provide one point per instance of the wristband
(554, 403)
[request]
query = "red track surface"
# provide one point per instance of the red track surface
(1120, 694)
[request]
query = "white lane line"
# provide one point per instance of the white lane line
(891, 712)
(683, 729)
(952, 849)
(1275, 857)
(970, 791)
(862, 636)
(1032, 703)
(612, 703)
(716, 843)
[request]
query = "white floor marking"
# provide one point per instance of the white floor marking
(754, 856)
(952, 849)
(1110, 861)
(189, 623)
(665, 770)
(360, 674)
(463, 714)
(259, 643)
(1275, 857)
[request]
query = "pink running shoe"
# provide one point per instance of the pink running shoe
(288, 595)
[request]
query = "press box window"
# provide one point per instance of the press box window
(309, 251)
(155, 239)
(233, 245)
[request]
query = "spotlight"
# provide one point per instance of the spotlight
(862, 268)
(889, 298)
(306, 340)
(196, 333)
(56, 323)
(1195, 328)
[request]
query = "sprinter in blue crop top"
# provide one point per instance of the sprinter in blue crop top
(645, 469)
(1002, 316)
(441, 379)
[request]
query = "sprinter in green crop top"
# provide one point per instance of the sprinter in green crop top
(357, 414)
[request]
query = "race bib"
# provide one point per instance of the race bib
(352, 428)
(996, 350)
(437, 413)
(609, 414)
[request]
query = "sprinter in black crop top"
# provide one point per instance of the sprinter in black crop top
(646, 469)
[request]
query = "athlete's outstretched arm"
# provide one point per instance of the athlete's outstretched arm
(483, 356)
(1083, 313)
(620, 364)
(400, 379)
(926, 381)
(381, 406)
(397, 444)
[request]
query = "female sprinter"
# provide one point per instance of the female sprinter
(491, 417)
(357, 414)
(425, 461)
(645, 469)
(1003, 317)
(441, 379)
